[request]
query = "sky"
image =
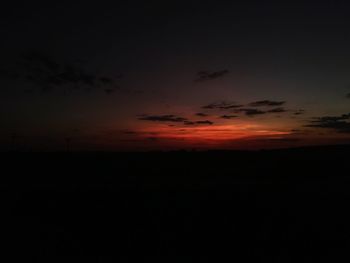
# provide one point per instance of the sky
(151, 75)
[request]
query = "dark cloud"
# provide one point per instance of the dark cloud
(277, 110)
(251, 112)
(201, 114)
(332, 118)
(206, 122)
(228, 116)
(174, 119)
(46, 73)
(223, 105)
(210, 75)
(299, 112)
(348, 95)
(337, 123)
(268, 103)
(162, 118)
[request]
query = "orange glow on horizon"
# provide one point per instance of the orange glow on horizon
(210, 133)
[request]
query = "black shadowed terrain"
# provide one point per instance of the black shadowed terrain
(268, 206)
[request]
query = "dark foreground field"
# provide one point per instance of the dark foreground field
(268, 206)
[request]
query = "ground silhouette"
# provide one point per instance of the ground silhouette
(287, 205)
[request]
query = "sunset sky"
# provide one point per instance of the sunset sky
(139, 75)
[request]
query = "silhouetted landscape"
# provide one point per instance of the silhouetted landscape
(260, 206)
